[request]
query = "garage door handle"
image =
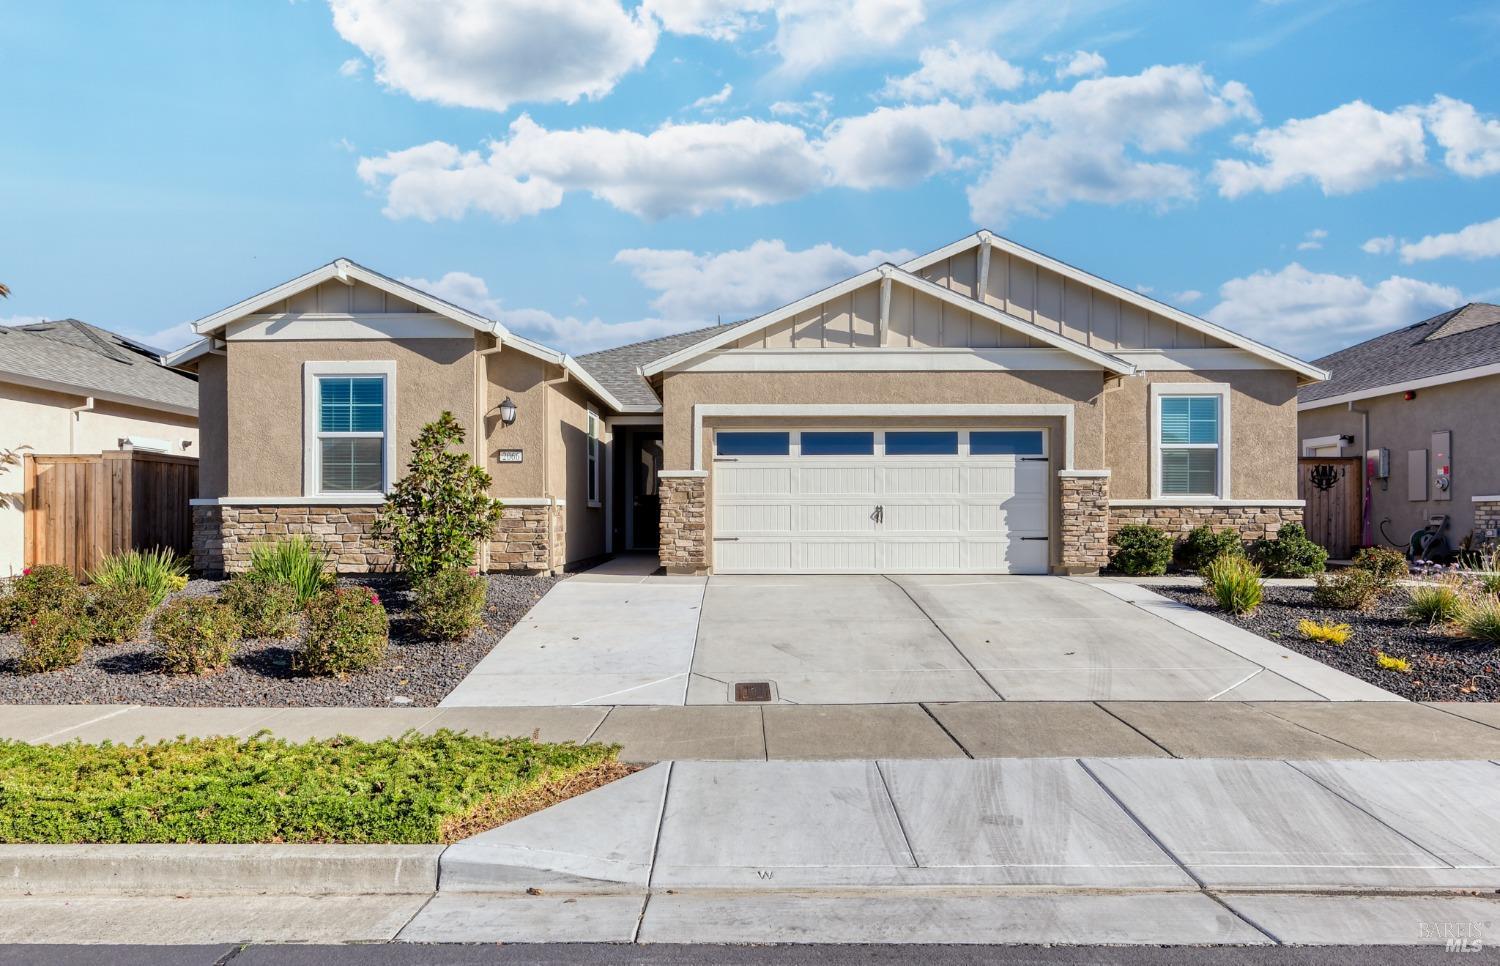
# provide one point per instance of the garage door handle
(1036, 459)
(721, 539)
(1033, 538)
(878, 514)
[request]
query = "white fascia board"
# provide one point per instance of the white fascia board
(188, 353)
(733, 333)
(1031, 329)
(343, 269)
(1305, 369)
(124, 399)
(1478, 372)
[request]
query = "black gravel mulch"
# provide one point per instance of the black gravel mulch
(1443, 668)
(415, 672)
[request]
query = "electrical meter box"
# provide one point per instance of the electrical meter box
(1378, 463)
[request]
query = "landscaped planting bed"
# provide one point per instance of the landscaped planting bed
(417, 789)
(1443, 667)
(415, 670)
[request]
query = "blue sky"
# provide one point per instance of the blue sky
(1308, 172)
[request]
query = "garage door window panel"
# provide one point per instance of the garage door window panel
(753, 444)
(838, 443)
(907, 443)
(1026, 442)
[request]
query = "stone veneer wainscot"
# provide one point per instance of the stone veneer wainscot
(1253, 521)
(684, 523)
(1486, 518)
(529, 538)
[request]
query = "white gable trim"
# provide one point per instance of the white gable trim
(888, 360)
(1305, 369)
(890, 273)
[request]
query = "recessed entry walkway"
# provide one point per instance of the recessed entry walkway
(619, 638)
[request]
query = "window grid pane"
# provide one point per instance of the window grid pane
(351, 404)
(1190, 472)
(1005, 443)
(838, 444)
(921, 443)
(1189, 419)
(353, 464)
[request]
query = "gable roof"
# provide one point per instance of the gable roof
(348, 271)
(1445, 348)
(74, 357)
(899, 275)
(619, 369)
(984, 235)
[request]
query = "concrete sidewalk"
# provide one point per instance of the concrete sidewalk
(1009, 729)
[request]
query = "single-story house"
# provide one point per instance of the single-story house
(1421, 407)
(982, 408)
(68, 387)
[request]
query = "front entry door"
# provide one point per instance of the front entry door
(645, 499)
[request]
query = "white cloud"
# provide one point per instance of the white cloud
(811, 34)
(715, 19)
(1081, 63)
(565, 332)
(21, 319)
(1480, 240)
(676, 169)
(1380, 245)
(167, 340)
(475, 53)
(710, 101)
(896, 146)
(351, 67)
(1084, 144)
(745, 282)
(1313, 240)
(1187, 296)
(1472, 143)
(1314, 313)
(1347, 149)
(814, 110)
(954, 71)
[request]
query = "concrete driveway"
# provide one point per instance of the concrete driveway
(613, 639)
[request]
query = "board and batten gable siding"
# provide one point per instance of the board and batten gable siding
(335, 298)
(1067, 307)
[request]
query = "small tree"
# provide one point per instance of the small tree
(437, 512)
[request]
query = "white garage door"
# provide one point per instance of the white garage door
(880, 501)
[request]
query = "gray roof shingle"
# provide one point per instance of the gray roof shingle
(1462, 338)
(617, 369)
(93, 360)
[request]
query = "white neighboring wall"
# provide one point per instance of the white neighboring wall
(38, 421)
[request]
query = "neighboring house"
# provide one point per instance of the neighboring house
(1429, 395)
(981, 408)
(70, 387)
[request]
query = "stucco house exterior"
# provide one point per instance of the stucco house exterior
(982, 408)
(67, 387)
(1421, 405)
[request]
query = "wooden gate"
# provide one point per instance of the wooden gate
(81, 509)
(1333, 514)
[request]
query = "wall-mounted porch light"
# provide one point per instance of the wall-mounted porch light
(507, 411)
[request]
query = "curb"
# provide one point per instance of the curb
(305, 870)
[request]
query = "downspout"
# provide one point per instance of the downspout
(77, 411)
(481, 397)
(1365, 535)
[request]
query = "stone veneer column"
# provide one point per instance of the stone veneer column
(684, 516)
(1085, 520)
(528, 538)
(1487, 518)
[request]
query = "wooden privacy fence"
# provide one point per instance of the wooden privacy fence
(81, 509)
(1334, 513)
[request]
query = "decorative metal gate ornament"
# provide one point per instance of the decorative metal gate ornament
(1324, 476)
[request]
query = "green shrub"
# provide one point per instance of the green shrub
(38, 589)
(1141, 550)
(160, 572)
(1233, 582)
(346, 631)
(196, 635)
(1441, 602)
(435, 514)
(414, 789)
(117, 612)
(297, 562)
(1203, 544)
(53, 639)
(449, 603)
(1346, 590)
(265, 607)
(1386, 563)
(1480, 620)
(1291, 554)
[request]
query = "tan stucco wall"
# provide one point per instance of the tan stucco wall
(1467, 409)
(1262, 425)
(213, 423)
(38, 421)
(522, 378)
(567, 467)
(264, 386)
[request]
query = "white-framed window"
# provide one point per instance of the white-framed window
(594, 499)
(349, 411)
(1190, 441)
